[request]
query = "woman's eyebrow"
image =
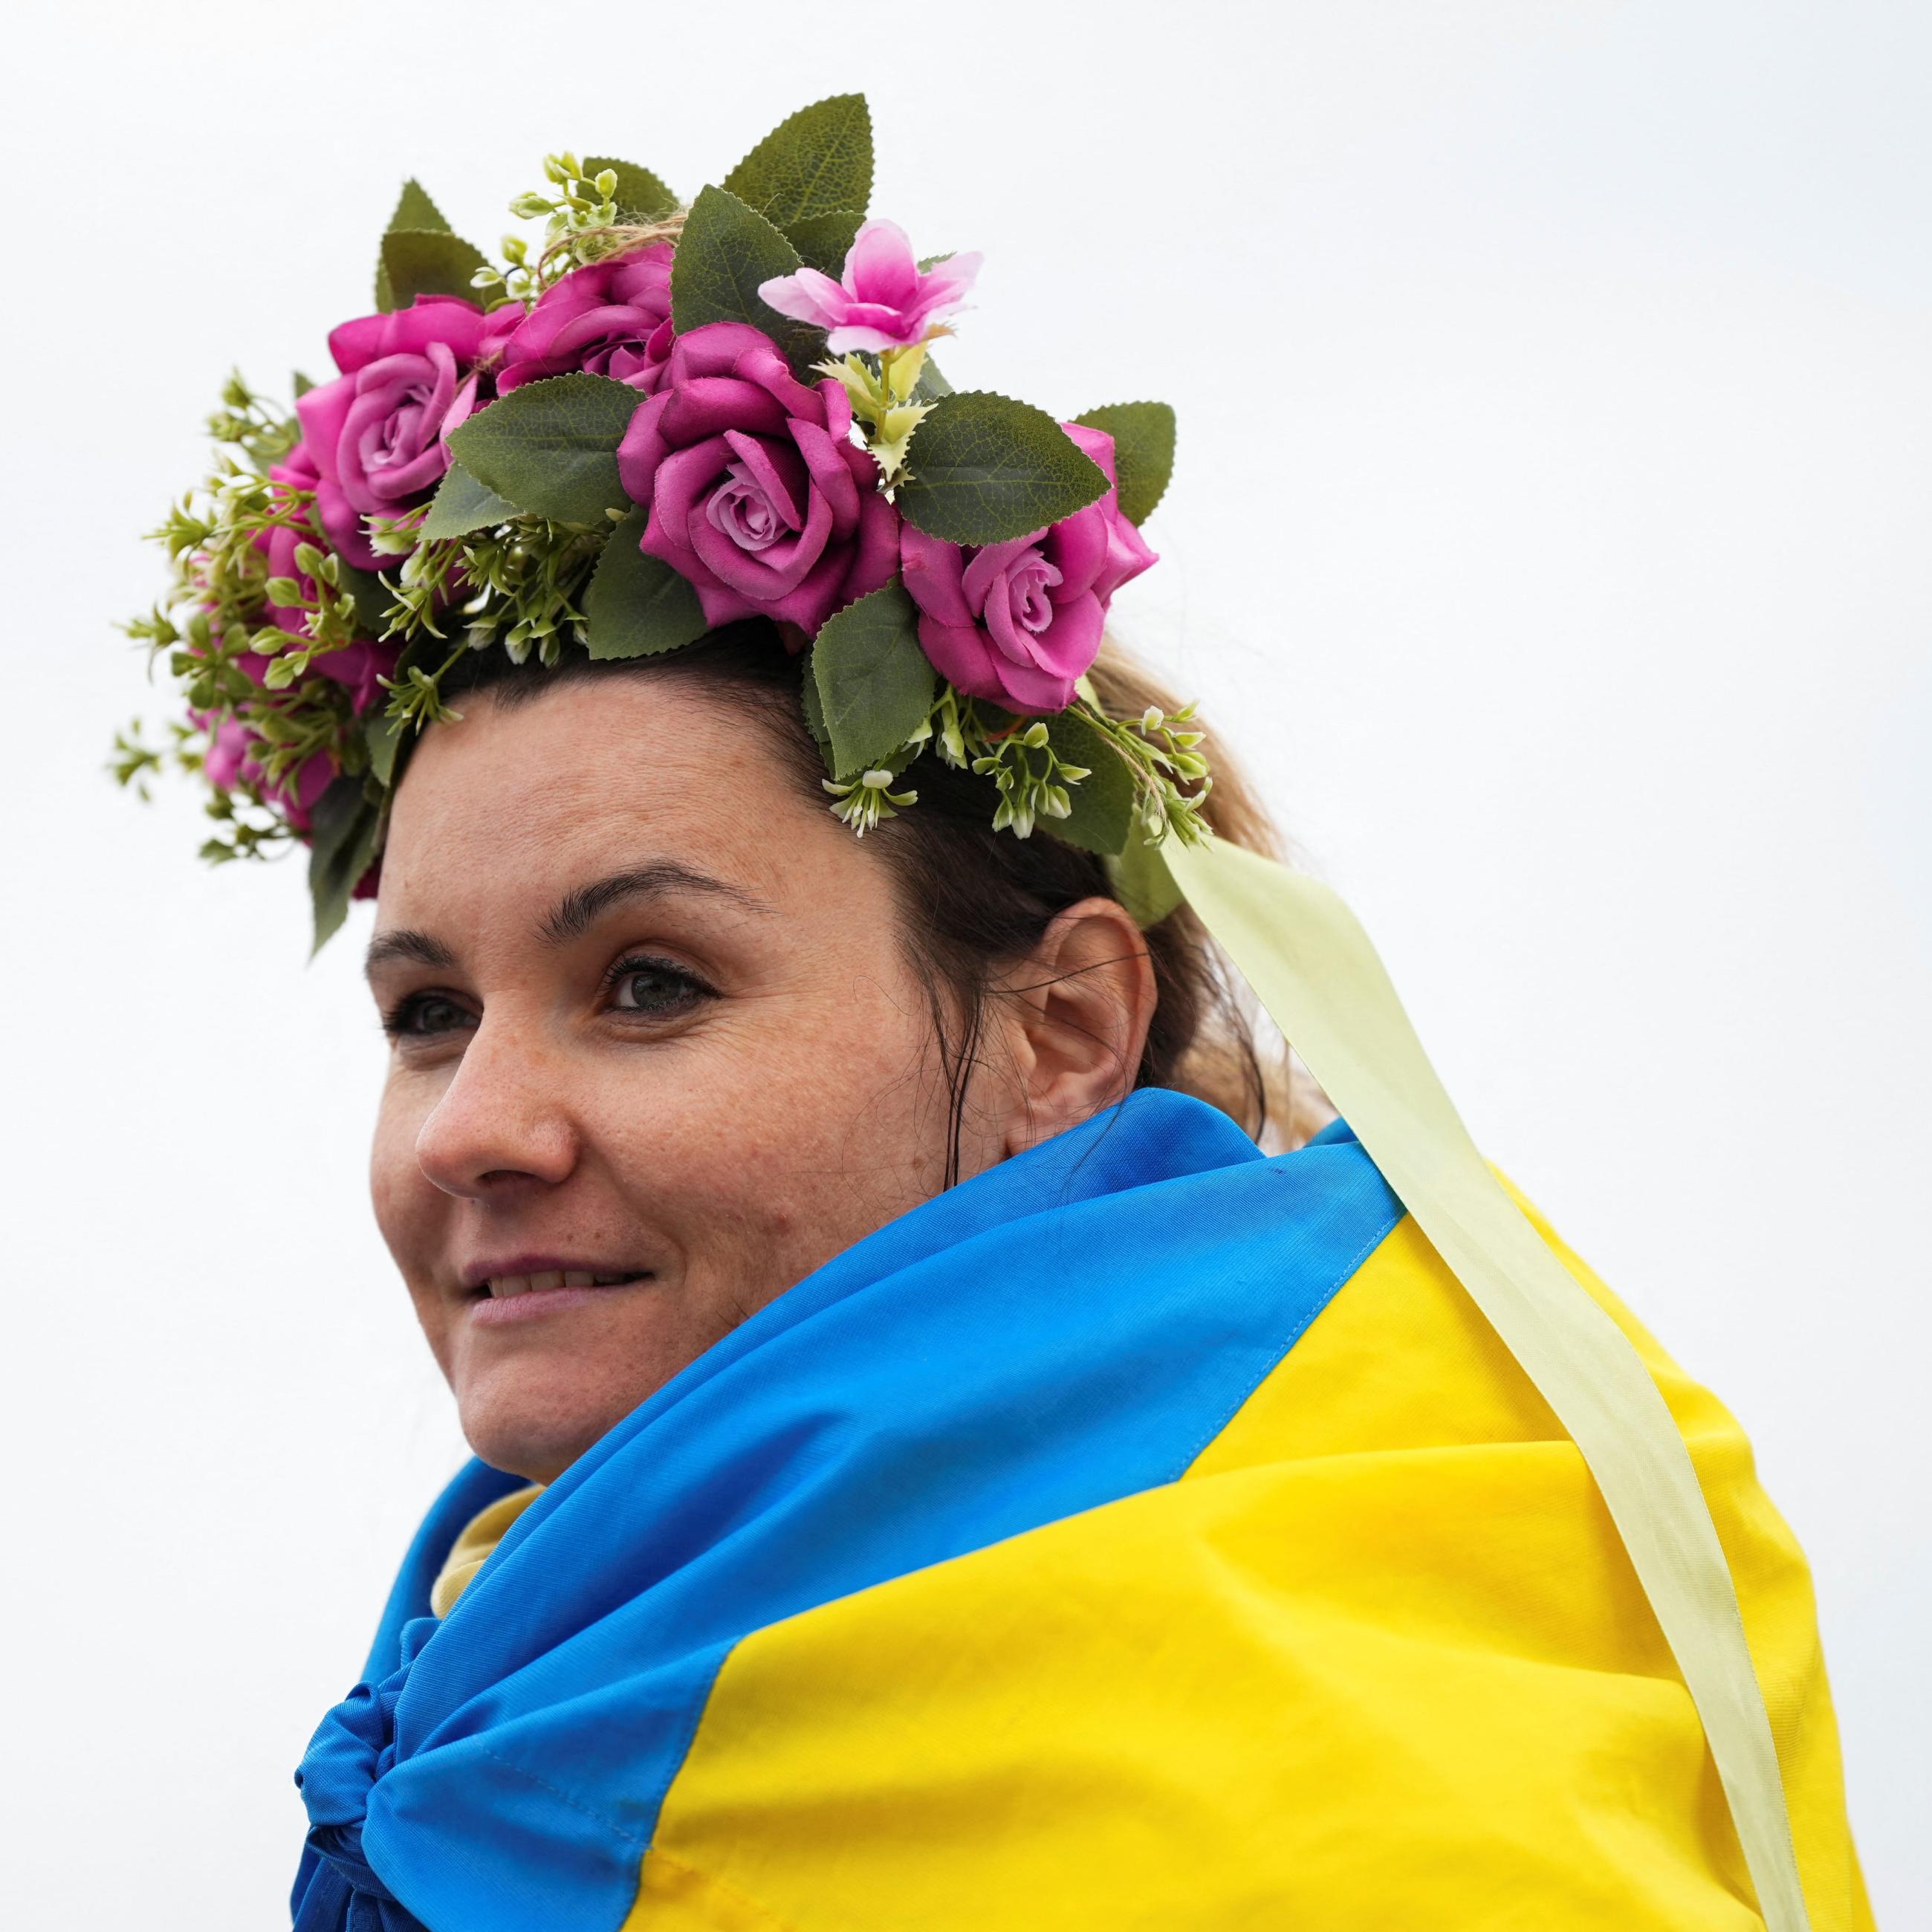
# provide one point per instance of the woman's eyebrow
(406, 942)
(575, 912)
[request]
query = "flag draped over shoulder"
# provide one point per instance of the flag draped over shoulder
(1143, 1533)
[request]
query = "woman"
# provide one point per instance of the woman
(933, 1469)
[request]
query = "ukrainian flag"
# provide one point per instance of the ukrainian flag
(1144, 1533)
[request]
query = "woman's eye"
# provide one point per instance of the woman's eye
(652, 986)
(424, 1014)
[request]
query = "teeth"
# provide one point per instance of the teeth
(503, 1286)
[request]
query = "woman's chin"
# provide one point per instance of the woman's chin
(535, 1417)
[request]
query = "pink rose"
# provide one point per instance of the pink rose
(228, 746)
(884, 301)
(375, 434)
(756, 493)
(612, 318)
(1018, 622)
(341, 528)
(359, 668)
(297, 472)
(300, 792)
(230, 760)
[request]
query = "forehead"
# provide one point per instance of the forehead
(513, 804)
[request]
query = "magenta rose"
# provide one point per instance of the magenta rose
(611, 318)
(375, 434)
(230, 760)
(359, 668)
(339, 528)
(298, 471)
(300, 792)
(1018, 621)
(755, 491)
(230, 746)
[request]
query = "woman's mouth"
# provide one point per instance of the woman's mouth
(522, 1292)
(505, 1287)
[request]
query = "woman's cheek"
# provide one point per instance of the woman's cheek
(409, 1210)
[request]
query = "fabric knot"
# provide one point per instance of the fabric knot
(353, 1748)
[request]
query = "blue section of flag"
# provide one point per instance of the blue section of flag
(1069, 1328)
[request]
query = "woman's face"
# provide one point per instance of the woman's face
(656, 1053)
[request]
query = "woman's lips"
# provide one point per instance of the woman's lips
(512, 1298)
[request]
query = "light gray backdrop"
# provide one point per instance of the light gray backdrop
(1550, 532)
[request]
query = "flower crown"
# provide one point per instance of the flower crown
(670, 419)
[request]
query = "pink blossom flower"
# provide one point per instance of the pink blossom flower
(757, 494)
(1018, 622)
(884, 302)
(611, 318)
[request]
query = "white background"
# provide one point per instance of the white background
(1550, 530)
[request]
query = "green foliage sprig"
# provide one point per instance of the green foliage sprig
(217, 612)
(251, 423)
(588, 205)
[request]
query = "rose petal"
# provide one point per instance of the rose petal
(760, 458)
(932, 572)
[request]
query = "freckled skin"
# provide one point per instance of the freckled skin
(729, 1146)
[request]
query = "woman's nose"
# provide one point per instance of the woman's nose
(501, 1121)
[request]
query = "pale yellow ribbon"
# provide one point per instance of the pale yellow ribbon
(1313, 967)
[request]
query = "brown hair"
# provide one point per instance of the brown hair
(975, 901)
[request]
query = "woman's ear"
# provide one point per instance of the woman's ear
(1079, 1005)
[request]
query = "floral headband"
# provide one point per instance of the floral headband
(670, 419)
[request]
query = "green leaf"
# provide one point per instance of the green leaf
(636, 605)
(461, 504)
(426, 262)
(641, 197)
(931, 385)
(414, 209)
(345, 832)
(1103, 801)
(383, 736)
(1143, 435)
(550, 447)
(302, 384)
(1142, 881)
(875, 685)
(825, 240)
(725, 253)
(814, 715)
(986, 469)
(374, 599)
(816, 162)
